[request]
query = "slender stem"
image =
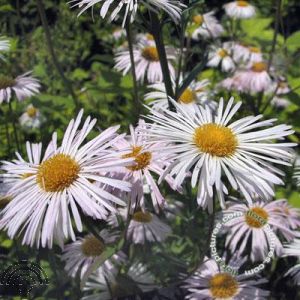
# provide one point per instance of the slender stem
(13, 120)
(156, 30)
(55, 61)
(135, 87)
(277, 20)
(7, 137)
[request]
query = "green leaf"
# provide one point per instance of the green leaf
(293, 41)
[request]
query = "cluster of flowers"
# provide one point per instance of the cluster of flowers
(51, 193)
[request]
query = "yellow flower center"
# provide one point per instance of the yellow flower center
(254, 50)
(150, 53)
(142, 217)
(256, 217)
(223, 286)
(223, 53)
(91, 246)
(215, 139)
(31, 111)
(198, 20)
(57, 173)
(259, 67)
(150, 37)
(242, 3)
(4, 201)
(188, 96)
(6, 82)
(142, 160)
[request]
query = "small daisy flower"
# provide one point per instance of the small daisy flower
(148, 161)
(145, 226)
(211, 147)
(113, 285)
(290, 215)
(209, 282)
(146, 59)
(231, 83)
(4, 46)
(31, 118)
(172, 7)
(221, 56)
(280, 102)
(282, 87)
(81, 254)
(256, 79)
(252, 226)
(293, 249)
(239, 10)
(196, 93)
(246, 54)
(24, 86)
(47, 189)
(118, 34)
(206, 26)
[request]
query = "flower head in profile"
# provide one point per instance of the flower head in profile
(213, 148)
(239, 10)
(31, 118)
(146, 59)
(114, 284)
(205, 25)
(221, 56)
(209, 282)
(256, 78)
(23, 86)
(144, 226)
(253, 225)
(81, 254)
(129, 8)
(49, 191)
(246, 54)
(196, 93)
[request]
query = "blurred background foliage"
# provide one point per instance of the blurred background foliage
(84, 50)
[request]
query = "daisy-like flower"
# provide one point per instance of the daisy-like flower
(280, 102)
(252, 225)
(4, 46)
(81, 254)
(118, 33)
(31, 118)
(196, 92)
(256, 79)
(146, 61)
(148, 160)
(113, 284)
(209, 282)
(290, 215)
(145, 226)
(221, 56)
(172, 7)
(24, 86)
(212, 147)
(239, 10)
(47, 189)
(246, 54)
(206, 26)
(293, 249)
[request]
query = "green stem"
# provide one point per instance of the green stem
(12, 115)
(55, 61)
(156, 31)
(277, 20)
(137, 103)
